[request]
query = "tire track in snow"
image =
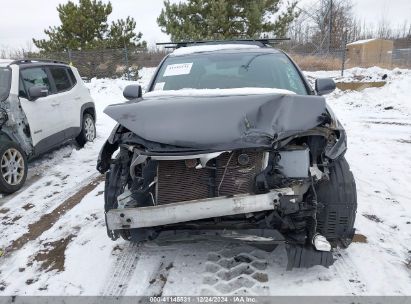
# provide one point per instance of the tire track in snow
(47, 221)
(122, 270)
(37, 169)
(33, 217)
(345, 269)
(160, 277)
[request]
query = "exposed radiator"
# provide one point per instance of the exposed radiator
(178, 182)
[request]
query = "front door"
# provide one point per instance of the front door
(67, 96)
(43, 114)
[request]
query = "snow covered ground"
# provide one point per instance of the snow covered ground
(67, 252)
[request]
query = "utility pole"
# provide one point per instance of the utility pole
(330, 25)
(344, 50)
(126, 58)
(69, 57)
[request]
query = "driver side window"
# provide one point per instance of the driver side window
(32, 77)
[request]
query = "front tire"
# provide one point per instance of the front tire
(13, 167)
(88, 130)
(337, 200)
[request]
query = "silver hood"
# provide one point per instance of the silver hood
(219, 122)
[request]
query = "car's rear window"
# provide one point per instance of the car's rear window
(5, 82)
(229, 70)
(61, 78)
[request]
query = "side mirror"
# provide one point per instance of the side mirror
(38, 91)
(132, 91)
(324, 86)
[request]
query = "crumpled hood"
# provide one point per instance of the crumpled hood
(219, 122)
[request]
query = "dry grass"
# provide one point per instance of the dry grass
(359, 86)
(316, 63)
(329, 63)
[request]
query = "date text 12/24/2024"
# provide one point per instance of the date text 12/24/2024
(204, 299)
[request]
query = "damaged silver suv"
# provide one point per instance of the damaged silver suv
(43, 104)
(230, 139)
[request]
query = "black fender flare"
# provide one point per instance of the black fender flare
(10, 136)
(4, 136)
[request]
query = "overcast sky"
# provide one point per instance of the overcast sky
(21, 20)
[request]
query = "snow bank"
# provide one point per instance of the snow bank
(116, 86)
(360, 74)
(395, 94)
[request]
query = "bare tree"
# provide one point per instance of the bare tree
(384, 29)
(324, 24)
(16, 53)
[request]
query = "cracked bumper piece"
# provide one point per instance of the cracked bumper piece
(303, 256)
(193, 210)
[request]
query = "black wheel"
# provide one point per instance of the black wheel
(13, 162)
(88, 130)
(337, 199)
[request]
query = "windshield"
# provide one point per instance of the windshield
(228, 70)
(5, 80)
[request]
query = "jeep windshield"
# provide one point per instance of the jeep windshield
(228, 71)
(5, 81)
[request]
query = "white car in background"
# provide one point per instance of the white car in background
(43, 104)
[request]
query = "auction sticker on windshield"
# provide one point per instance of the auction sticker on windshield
(178, 69)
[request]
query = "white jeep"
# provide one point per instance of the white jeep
(43, 104)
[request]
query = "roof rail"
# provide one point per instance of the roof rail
(24, 61)
(261, 41)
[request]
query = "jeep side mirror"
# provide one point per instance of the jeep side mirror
(132, 91)
(37, 92)
(324, 86)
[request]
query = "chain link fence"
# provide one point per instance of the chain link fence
(125, 63)
(106, 63)
(365, 53)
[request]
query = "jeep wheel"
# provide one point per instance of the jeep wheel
(88, 130)
(13, 162)
(337, 201)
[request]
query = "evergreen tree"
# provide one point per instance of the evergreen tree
(122, 34)
(225, 19)
(84, 26)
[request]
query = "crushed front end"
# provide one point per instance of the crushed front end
(181, 167)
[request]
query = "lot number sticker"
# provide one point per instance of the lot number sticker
(178, 69)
